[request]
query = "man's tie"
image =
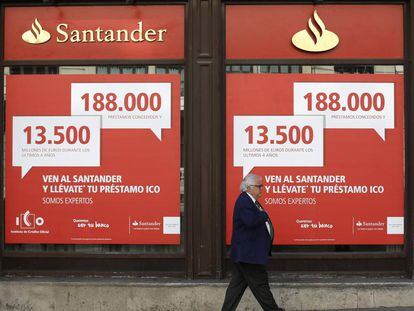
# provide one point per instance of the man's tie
(258, 205)
(268, 222)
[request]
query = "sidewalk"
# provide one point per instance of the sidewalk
(379, 309)
(135, 294)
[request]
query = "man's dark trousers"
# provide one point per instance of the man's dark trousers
(254, 276)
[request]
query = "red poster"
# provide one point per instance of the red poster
(93, 159)
(360, 31)
(94, 32)
(330, 149)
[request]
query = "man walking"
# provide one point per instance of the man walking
(251, 244)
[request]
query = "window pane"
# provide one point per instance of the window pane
(105, 248)
(326, 69)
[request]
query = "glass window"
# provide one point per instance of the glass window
(351, 69)
(136, 249)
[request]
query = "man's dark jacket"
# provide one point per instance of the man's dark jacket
(250, 242)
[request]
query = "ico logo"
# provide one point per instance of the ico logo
(29, 220)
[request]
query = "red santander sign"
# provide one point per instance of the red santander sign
(359, 31)
(94, 32)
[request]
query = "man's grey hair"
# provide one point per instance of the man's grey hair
(247, 181)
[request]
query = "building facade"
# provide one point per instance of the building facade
(128, 126)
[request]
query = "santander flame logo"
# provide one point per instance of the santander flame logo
(36, 35)
(322, 41)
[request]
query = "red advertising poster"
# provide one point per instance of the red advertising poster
(328, 31)
(93, 159)
(94, 32)
(330, 149)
